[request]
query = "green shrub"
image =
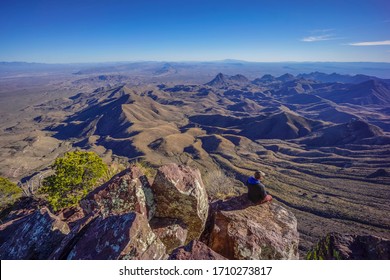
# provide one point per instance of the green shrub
(9, 193)
(76, 174)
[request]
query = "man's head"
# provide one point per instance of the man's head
(259, 175)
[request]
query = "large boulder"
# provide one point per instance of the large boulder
(116, 222)
(128, 191)
(180, 194)
(244, 231)
(336, 246)
(34, 236)
(195, 250)
(117, 237)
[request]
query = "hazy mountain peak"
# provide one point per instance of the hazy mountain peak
(226, 80)
(267, 77)
(239, 77)
(166, 69)
(286, 77)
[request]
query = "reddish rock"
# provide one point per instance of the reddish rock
(77, 232)
(112, 222)
(195, 250)
(116, 224)
(336, 246)
(127, 236)
(244, 231)
(128, 191)
(25, 206)
(34, 236)
(171, 232)
(180, 194)
(71, 215)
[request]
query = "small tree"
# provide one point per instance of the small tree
(9, 193)
(75, 175)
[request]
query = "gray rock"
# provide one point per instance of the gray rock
(180, 194)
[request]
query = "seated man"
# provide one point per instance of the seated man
(256, 190)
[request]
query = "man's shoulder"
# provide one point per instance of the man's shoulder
(252, 181)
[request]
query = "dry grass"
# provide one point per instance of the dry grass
(113, 169)
(146, 168)
(219, 185)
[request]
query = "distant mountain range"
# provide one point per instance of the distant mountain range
(359, 89)
(338, 78)
(286, 107)
(373, 91)
(200, 70)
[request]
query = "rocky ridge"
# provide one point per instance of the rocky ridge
(127, 218)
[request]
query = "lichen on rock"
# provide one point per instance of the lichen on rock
(180, 194)
(172, 232)
(125, 192)
(127, 236)
(244, 231)
(33, 236)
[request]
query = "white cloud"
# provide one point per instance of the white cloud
(322, 31)
(317, 38)
(376, 43)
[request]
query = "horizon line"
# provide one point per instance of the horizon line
(227, 60)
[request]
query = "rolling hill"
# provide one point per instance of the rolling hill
(319, 142)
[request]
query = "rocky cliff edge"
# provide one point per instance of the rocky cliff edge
(127, 218)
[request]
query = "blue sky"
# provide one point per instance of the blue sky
(194, 30)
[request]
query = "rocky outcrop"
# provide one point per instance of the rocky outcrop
(171, 232)
(116, 225)
(180, 194)
(127, 219)
(31, 237)
(195, 250)
(127, 236)
(336, 246)
(61, 251)
(128, 191)
(244, 231)
(112, 222)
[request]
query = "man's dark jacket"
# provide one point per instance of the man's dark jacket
(256, 190)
